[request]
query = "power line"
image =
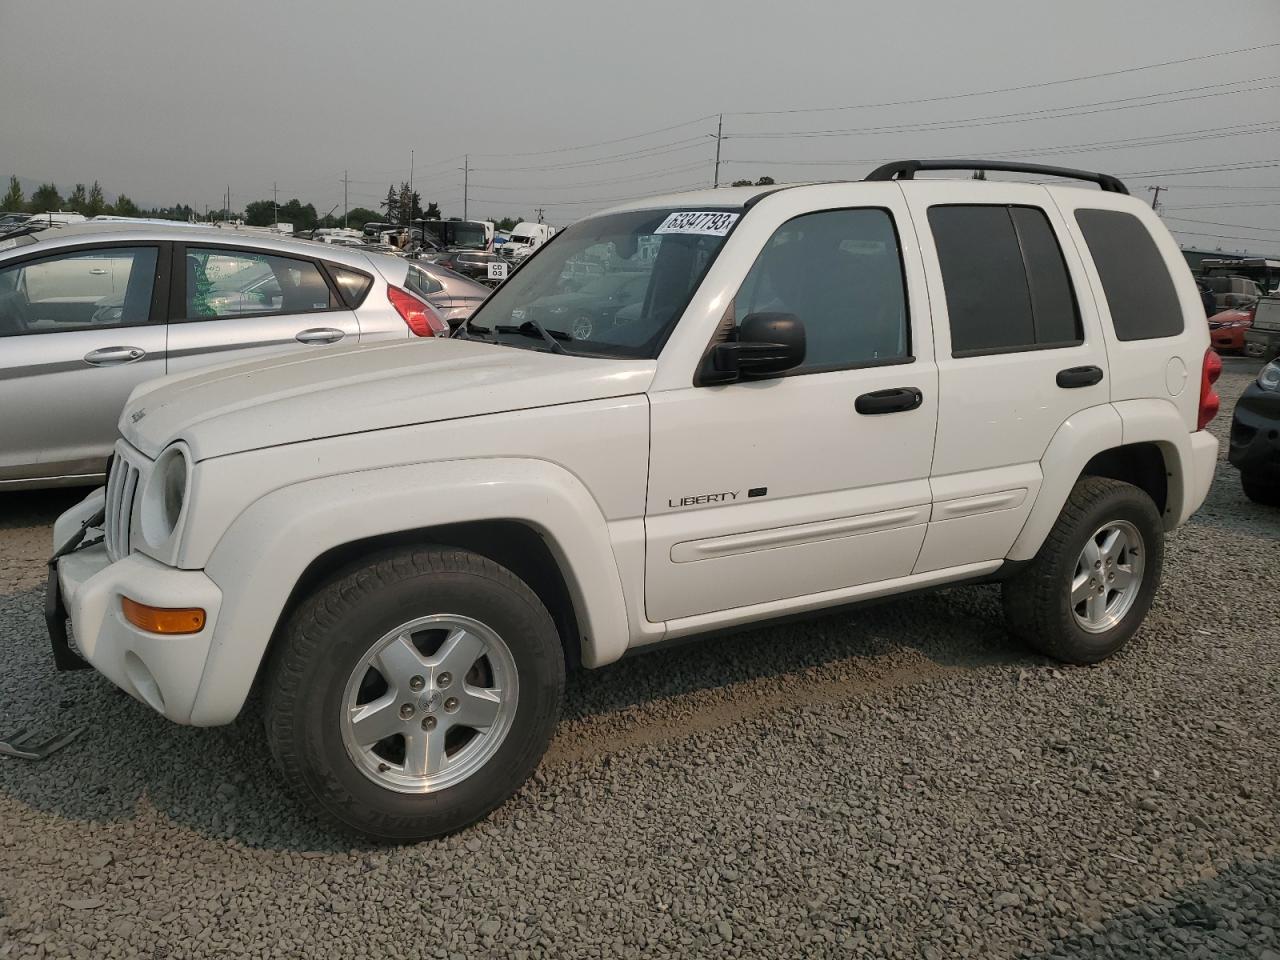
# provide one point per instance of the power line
(1223, 236)
(1219, 206)
(1124, 143)
(676, 146)
(1219, 223)
(600, 143)
(1023, 116)
(1193, 171)
(684, 168)
(996, 90)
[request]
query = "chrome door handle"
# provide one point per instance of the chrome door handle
(320, 335)
(109, 356)
(98, 272)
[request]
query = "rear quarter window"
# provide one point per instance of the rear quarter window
(1135, 280)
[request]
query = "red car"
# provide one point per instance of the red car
(1226, 329)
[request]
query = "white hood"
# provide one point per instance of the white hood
(333, 391)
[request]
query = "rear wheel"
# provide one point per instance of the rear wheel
(1091, 584)
(415, 693)
(1261, 488)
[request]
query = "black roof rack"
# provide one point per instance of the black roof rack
(906, 170)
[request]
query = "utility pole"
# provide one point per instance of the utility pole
(1155, 199)
(466, 181)
(719, 137)
(410, 173)
(346, 180)
(275, 206)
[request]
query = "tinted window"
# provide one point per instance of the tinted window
(352, 284)
(85, 290)
(232, 283)
(840, 272)
(1139, 290)
(1006, 282)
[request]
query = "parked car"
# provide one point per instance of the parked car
(1227, 329)
(594, 305)
(831, 393)
(1262, 339)
(484, 267)
(1229, 292)
(1255, 437)
(89, 312)
(453, 296)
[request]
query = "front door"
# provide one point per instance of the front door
(816, 480)
(233, 303)
(79, 329)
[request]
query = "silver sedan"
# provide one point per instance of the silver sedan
(89, 312)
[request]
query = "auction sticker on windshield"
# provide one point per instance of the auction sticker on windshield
(708, 223)
(497, 271)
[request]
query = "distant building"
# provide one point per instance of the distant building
(1194, 257)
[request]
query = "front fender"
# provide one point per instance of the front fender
(261, 556)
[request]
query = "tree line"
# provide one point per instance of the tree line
(400, 206)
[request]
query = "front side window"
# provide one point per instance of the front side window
(1135, 279)
(607, 286)
(1006, 281)
(84, 290)
(234, 283)
(840, 273)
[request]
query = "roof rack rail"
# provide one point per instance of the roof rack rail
(906, 170)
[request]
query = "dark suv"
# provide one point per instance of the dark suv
(1255, 437)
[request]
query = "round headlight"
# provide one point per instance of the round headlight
(164, 496)
(1269, 378)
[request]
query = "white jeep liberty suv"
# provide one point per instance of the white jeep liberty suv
(682, 414)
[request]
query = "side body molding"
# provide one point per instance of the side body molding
(259, 559)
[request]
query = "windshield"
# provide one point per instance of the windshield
(608, 286)
(461, 234)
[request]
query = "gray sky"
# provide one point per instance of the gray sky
(170, 101)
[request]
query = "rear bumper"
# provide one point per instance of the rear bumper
(1204, 461)
(1255, 431)
(163, 672)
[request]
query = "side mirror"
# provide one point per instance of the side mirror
(764, 344)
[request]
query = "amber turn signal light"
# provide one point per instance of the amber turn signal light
(162, 619)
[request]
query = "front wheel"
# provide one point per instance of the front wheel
(1092, 582)
(414, 694)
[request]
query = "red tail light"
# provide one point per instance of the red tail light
(417, 314)
(1209, 401)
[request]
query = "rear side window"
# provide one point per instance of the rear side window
(232, 283)
(1006, 282)
(352, 285)
(421, 282)
(1139, 290)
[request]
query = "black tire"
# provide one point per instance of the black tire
(1261, 488)
(335, 627)
(1037, 600)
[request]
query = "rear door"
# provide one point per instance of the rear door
(229, 302)
(1020, 349)
(79, 329)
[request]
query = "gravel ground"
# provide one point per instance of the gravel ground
(903, 782)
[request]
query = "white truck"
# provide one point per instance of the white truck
(526, 238)
(819, 395)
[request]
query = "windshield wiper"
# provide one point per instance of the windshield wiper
(531, 328)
